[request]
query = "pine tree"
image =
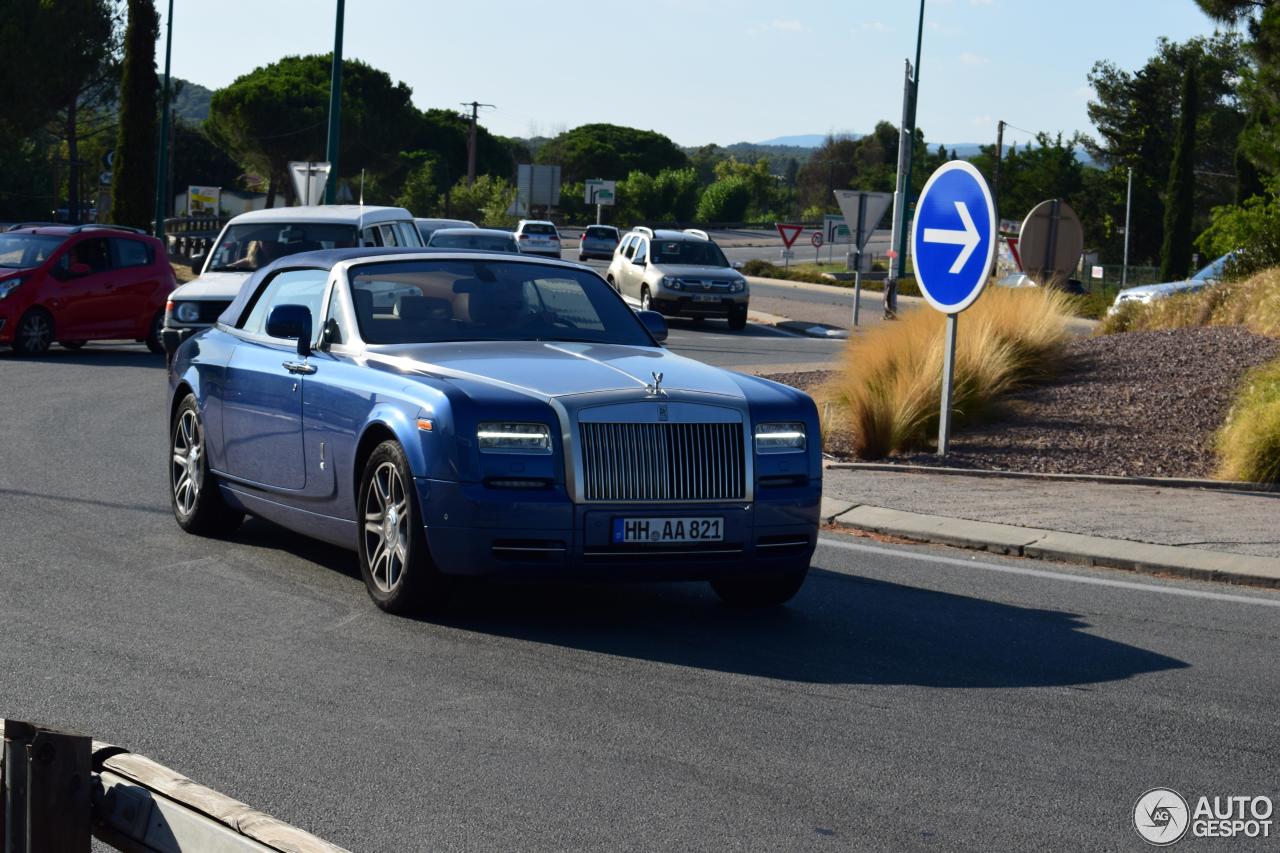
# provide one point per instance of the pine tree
(133, 180)
(1179, 201)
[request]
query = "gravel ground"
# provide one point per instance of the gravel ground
(1137, 404)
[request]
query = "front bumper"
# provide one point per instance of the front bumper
(472, 529)
(675, 304)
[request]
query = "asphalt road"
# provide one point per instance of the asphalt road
(908, 699)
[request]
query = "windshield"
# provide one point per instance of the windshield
(694, 253)
(602, 233)
(481, 242)
(24, 251)
(1213, 272)
(539, 228)
(251, 247)
(431, 301)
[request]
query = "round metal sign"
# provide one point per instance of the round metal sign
(953, 237)
(1050, 242)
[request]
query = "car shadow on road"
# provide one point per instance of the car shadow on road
(841, 629)
(93, 355)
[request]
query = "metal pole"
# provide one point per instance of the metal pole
(162, 153)
(948, 374)
(335, 111)
(899, 217)
(891, 293)
(858, 242)
(1128, 205)
(995, 183)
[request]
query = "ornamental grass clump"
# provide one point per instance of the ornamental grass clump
(1248, 445)
(888, 390)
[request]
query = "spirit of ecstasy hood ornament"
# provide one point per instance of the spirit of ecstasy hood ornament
(656, 388)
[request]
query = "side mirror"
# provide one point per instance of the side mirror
(655, 323)
(291, 322)
(197, 261)
(737, 265)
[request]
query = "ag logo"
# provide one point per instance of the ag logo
(1161, 816)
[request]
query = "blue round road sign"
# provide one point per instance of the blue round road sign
(953, 238)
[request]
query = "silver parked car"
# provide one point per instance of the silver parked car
(598, 242)
(474, 239)
(679, 273)
(1146, 293)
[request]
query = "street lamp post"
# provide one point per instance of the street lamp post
(907, 138)
(335, 110)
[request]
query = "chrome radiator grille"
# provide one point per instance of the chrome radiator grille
(662, 462)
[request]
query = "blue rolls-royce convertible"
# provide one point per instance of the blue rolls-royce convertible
(447, 414)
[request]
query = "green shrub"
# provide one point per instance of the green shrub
(1248, 445)
(725, 201)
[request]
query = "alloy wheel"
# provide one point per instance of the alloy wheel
(386, 527)
(187, 469)
(36, 332)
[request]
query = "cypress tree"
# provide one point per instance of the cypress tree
(133, 179)
(1179, 202)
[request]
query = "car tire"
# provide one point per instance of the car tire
(71, 345)
(397, 569)
(34, 333)
(738, 320)
(197, 502)
(153, 341)
(582, 259)
(646, 299)
(760, 591)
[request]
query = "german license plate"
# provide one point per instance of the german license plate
(660, 531)
(705, 297)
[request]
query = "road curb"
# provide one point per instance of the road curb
(1261, 489)
(1143, 557)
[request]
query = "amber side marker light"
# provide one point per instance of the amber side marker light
(424, 424)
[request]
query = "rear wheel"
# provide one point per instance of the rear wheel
(197, 503)
(738, 319)
(34, 333)
(153, 341)
(394, 562)
(760, 591)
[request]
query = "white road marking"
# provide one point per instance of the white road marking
(824, 541)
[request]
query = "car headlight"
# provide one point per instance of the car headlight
(780, 438)
(187, 312)
(672, 282)
(503, 437)
(737, 286)
(7, 287)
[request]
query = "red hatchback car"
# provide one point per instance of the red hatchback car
(77, 283)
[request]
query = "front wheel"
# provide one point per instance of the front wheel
(198, 506)
(738, 320)
(34, 333)
(646, 301)
(394, 562)
(760, 591)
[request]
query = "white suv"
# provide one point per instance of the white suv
(254, 239)
(679, 273)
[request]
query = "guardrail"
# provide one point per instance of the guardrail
(60, 789)
(187, 236)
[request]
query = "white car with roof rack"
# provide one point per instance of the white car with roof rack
(679, 274)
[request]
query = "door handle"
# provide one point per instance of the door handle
(299, 367)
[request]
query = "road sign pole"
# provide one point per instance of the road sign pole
(948, 375)
(857, 288)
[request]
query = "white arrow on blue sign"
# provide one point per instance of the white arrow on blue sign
(953, 238)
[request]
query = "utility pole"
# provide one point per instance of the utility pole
(906, 144)
(995, 182)
(1128, 207)
(471, 140)
(162, 150)
(335, 109)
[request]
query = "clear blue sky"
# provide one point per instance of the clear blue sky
(708, 70)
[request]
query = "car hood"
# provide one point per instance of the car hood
(697, 272)
(558, 369)
(1164, 288)
(211, 285)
